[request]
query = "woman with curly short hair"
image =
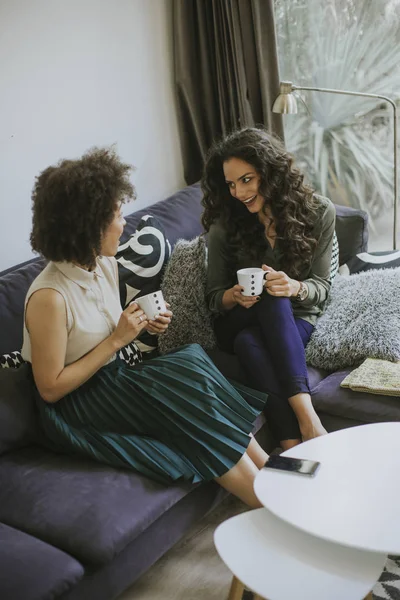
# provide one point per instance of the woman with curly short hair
(173, 417)
(258, 212)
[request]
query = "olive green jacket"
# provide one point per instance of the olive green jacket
(221, 276)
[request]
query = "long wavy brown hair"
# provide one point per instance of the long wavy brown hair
(292, 203)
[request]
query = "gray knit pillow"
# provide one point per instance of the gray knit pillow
(361, 320)
(184, 286)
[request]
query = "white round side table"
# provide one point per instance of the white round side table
(353, 498)
(280, 562)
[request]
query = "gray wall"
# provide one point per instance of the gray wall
(79, 73)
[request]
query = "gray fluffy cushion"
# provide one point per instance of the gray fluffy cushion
(361, 320)
(184, 286)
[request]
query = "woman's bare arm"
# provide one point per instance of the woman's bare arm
(47, 325)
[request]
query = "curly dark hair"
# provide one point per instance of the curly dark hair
(292, 203)
(74, 202)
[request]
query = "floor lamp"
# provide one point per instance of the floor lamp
(286, 104)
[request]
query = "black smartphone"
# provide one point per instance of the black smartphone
(302, 466)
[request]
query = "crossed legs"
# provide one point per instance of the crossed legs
(269, 343)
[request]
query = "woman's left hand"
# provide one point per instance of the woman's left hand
(277, 283)
(160, 324)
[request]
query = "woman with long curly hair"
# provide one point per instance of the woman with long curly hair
(171, 418)
(258, 212)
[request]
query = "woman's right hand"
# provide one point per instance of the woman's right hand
(131, 322)
(238, 298)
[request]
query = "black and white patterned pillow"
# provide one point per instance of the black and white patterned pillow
(374, 261)
(131, 354)
(11, 361)
(334, 257)
(141, 261)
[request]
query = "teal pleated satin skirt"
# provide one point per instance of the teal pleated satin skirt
(169, 418)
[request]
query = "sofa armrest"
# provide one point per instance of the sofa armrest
(351, 231)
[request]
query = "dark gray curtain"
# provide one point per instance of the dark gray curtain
(226, 72)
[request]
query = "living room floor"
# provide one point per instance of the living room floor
(192, 569)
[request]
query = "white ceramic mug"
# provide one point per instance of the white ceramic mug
(251, 280)
(152, 304)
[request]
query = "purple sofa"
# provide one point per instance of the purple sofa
(76, 530)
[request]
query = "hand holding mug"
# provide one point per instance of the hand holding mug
(160, 324)
(245, 301)
(277, 283)
(130, 324)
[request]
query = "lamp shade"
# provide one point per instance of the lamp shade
(285, 104)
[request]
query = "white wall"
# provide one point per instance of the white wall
(79, 73)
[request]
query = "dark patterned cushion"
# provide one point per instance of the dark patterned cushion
(374, 261)
(141, 261)
(131, 354)
(11, 361)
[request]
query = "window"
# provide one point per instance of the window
(344, 144)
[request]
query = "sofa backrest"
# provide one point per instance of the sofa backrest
(179, 214)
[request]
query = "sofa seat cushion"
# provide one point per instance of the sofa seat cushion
(89, 510)
(330, 398)
(32, 569)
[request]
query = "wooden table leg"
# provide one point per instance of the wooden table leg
(237, 589)
(368, 596)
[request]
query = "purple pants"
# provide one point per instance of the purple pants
(269, 343)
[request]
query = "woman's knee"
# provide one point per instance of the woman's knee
(274, 305)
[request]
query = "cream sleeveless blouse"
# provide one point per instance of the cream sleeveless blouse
(91, 300)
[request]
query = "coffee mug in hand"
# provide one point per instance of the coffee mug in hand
(252, 281)
(152, 304)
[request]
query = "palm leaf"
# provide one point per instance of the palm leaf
(345, 143)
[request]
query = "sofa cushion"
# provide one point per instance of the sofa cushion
(13, 288)
(13, 360)
(18, 424)
(352, 232)
(184, 287)
(33, 570)
(373, 261)
(332, 399)
(141, 262)
(86, 509)
(361, 320)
